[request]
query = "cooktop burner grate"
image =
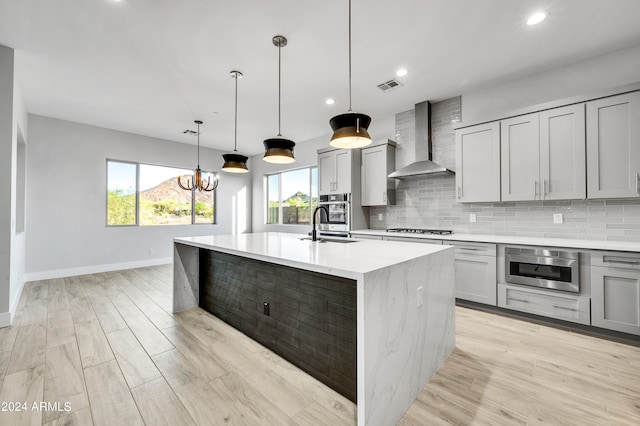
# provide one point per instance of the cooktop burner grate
(421, 231)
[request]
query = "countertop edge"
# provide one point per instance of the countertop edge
(628, 246)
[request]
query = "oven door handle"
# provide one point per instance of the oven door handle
(326, 203)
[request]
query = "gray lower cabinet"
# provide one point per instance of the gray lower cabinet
(559, 305)
(615, 291)
(475, 265)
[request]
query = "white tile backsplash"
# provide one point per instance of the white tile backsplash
(429, 202)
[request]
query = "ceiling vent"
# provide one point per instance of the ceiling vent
(190, 132)
(389, 85)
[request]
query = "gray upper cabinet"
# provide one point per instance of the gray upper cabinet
(520, 158)
(377, 162)
(563, 153)
(478, 163)
(334, 171)
(543, 155)
(613, 147)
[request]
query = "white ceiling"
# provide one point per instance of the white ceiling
(153, 66)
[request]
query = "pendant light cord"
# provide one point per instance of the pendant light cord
(235, 134)
(280, 83)
(349, 55)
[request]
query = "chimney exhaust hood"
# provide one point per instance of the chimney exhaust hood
(424, 165)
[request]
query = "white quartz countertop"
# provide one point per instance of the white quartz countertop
(505, 239)
(348, 260)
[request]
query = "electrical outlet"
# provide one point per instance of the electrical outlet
(472, 218)
(380, 216)
(557, 218)
(420, 296)
(152, 251)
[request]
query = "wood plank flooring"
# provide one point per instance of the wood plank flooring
(109, 345)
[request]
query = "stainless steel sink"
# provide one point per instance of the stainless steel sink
(332, 240)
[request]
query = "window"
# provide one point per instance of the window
(292, 196)
(148, 195)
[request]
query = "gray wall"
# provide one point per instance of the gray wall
(430, 202)
(602, 72)
(66, 199)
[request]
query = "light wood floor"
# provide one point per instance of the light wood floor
(108, 345)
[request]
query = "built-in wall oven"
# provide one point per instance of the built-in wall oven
(339, 208)
(543, 267)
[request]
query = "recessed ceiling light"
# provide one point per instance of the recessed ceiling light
(402, 72)
(330, 101)
(536, 18)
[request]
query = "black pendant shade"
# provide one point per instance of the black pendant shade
(350, 130)
(235, 163)
(279, 151)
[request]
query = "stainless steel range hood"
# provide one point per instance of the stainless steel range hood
(424, 165)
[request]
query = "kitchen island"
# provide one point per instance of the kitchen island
(399, 298)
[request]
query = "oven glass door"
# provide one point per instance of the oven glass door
(552, 273)
(338, 213)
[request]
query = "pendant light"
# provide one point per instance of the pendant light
(234, 162)
(279, 150)
(197, 182)
(350, 129)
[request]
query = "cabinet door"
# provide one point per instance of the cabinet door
(374, 176)
(478, 163)
(476, 278)
(563, 153)
(326, 172)
(613, 147)
(342, 171)
(520, 158)
(615, 299)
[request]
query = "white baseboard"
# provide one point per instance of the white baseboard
(95, 269)
(5, 319)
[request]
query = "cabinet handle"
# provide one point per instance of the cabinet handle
(469, 248)
(609, 259)
(545, 189)
(535, 189)
(384, 196)
(637, 184)
(517, 300)
(459, 192)
(565, 308)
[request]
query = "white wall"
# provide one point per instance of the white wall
(306, 156)
(6, 172)
(18, 241)
(13, 127)
(602, 72)
(66, 199)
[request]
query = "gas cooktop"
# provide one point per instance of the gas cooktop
(421, 231)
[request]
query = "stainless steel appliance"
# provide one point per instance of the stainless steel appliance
(541, 267)
(339, 208)
(421, 231)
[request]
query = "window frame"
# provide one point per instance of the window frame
(137, 224)
(280, 210)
